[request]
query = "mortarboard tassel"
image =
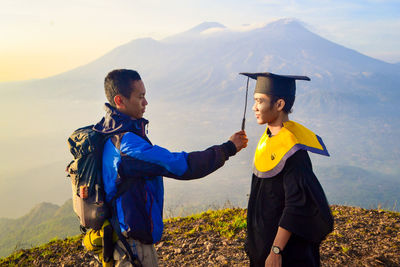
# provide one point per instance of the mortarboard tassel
(245, 105)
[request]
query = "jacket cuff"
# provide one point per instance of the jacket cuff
(229, 149)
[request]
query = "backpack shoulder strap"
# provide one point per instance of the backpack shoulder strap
(133, 258)
(116, 140)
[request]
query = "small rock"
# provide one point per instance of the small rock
(221, 258)
(178, 250)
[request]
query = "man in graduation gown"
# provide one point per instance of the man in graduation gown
(288, 213)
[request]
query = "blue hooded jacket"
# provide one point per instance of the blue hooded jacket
(142, 165)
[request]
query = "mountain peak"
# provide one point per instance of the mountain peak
(195, 32)
(41, 207)
(291, 23)
(205, 26)
(40, 212)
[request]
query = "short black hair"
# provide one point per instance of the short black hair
(289, 101)
(118, 82)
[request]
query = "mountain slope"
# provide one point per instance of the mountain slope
(44, 222)
(216, 238)
(349, 185)
(345, 185)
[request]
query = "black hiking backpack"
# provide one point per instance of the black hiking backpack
(85, 171)
(88, 195)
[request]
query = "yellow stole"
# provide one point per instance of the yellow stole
(272, 152)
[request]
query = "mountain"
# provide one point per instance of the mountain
(195, 32)
(44, 222)
(349, 185)
(216, 238)
(196, 99)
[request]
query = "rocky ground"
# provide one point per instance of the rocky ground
(361, 238)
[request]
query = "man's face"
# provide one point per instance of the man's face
(135, 105)
(264, 111)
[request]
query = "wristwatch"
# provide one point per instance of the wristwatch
(276, 250)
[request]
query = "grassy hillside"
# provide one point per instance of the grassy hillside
(215, 238)
(44, 222)
(344, 185)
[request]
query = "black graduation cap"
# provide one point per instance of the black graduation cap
(272, 84)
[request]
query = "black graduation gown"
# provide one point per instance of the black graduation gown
(294, 200)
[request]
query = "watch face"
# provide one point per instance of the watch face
(276, 250)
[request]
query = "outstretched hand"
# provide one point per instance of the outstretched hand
(239, 139)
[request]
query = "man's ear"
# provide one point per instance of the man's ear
(119, 101)
(280, 104)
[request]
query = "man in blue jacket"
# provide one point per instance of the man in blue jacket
(130, 158)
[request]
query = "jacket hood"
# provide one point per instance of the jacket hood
(115, 122)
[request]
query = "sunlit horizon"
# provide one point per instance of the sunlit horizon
(44, 38)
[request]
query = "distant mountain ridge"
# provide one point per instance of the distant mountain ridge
(349, 185)
(204, 26)
(44, 222)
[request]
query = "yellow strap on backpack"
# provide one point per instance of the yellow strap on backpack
(93, 241)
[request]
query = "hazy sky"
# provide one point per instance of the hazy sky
(44, 37)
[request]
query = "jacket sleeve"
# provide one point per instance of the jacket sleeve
(139, 158)
(306, 211)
